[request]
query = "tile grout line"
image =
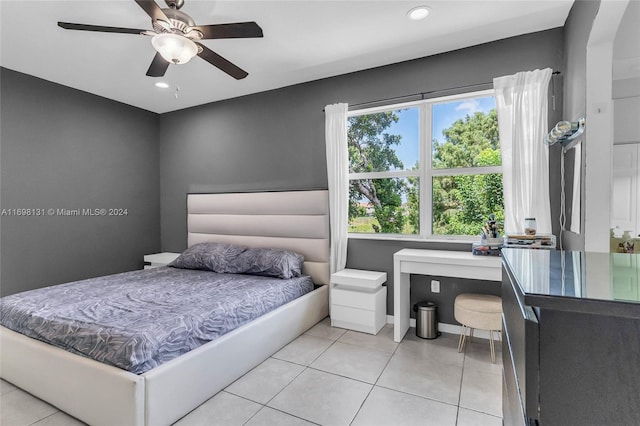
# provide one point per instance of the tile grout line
(306, 367)
(271, 399)
(418, 396)
(284, 387)
(467, 348)
(46, 417)
(464, 361)
(374, 385)
(30, 395)
(263, 406)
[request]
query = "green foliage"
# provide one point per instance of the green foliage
(469, 142)
(413, 204)
(389, 213)
(461, 203)
(363, 224)
(372, 149)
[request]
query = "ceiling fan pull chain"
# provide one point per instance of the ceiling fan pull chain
(177, 90)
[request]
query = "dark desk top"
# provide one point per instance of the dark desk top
(598, 283)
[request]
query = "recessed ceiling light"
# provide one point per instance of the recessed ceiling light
(419, 12)
(162, 85)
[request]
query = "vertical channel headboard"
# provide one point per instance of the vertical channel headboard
(291, 220)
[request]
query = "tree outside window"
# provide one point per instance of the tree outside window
(461, 185)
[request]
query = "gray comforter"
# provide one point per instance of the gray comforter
(138, 320)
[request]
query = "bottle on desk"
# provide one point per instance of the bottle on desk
(530, 226)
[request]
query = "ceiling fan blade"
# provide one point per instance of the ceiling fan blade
(218, 61)
(152, 9)
(233, 30)
(158, 66)
(84, 27)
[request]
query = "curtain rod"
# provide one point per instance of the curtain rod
(421, 95)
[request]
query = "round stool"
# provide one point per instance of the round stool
(481, 311)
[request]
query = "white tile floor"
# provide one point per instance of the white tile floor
(331, 376)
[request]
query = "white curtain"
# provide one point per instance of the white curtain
(338, 177)
(521, 103)
(575, 202)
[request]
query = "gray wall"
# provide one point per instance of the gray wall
(576, 34)
(63, 148)
(275, 139)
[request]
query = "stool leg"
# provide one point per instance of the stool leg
(491, 345)
(463, 334)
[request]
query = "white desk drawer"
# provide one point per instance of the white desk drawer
(359, 299)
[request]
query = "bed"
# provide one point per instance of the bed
(101, 394)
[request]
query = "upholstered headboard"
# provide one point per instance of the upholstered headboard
(291, 220)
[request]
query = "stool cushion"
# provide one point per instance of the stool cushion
(481, 311)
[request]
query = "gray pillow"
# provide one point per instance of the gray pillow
(216, 257)
(270, 262)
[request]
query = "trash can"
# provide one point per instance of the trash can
(426, 320)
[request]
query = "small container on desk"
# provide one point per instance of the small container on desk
(486, 249)
(538, 241)
(358, 300)
(530, 226)
(487, 246)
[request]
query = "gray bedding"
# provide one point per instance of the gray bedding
(138, 320)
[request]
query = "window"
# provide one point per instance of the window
(425, 168)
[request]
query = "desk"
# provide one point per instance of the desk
(459, 264)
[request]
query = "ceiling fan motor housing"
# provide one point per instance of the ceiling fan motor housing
(179, 23)
(174, 4)
(177, 19)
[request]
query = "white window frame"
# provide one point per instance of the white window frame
(426, 172)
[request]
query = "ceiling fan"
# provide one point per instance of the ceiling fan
(176, 37)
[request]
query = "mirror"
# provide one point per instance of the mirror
(625, 194)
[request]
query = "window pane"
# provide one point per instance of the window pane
(387, 206)
(463, 203)
(384, 141)
(465, 134)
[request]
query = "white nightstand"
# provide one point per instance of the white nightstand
(159, 259)
(358, 300)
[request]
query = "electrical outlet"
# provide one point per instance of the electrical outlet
(435, 286)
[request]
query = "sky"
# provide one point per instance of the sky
(444, 115)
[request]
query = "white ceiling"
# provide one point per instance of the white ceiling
(303, 40)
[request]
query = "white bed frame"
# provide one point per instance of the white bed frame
(100, 394)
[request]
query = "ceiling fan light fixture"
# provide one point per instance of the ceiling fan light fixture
(174, 48)
(419, 12)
